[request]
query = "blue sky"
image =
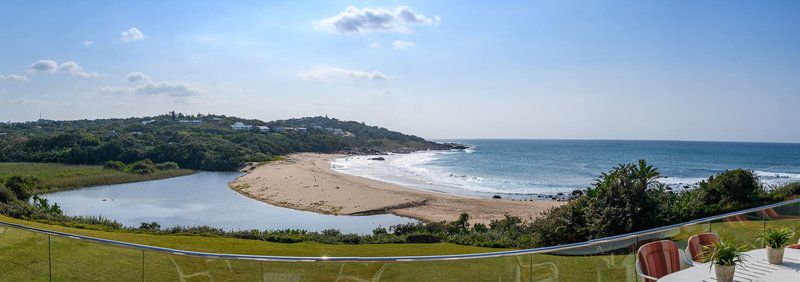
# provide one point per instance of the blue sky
(678, 70)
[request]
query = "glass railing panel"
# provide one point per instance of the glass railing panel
(744, 227)
(23, 255)
(611, 261)
(509, 268)
(317, 271)
(168, 267)
(80, 260)
(784, 216)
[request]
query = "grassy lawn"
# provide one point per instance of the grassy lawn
(61, 176)
(24, 257)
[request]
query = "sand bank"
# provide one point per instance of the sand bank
(306, 182)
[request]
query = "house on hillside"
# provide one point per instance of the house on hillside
(241, 126)
(146, 122)
(262, 128)
(191, 122)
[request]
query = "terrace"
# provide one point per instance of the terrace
(30, 253)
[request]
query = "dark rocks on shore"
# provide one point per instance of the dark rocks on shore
(577, 192)
(496, 197)
(378, 159)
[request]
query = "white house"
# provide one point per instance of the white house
(241, 126)
(146, 122)
(263, 128)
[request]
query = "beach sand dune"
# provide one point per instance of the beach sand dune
(306, 182)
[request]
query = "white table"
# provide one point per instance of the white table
(754, 268)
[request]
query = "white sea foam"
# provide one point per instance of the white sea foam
(419, 170)
(415, 170)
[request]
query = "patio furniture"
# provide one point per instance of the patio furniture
(694, 247)
(657, 259)
(754, 268)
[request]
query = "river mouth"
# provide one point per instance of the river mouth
(203, 198)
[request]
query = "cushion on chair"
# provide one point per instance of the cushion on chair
(697, 242)
(660, 258)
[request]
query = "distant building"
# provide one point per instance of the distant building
(146, 122)
(241, 126)
(278, 129)
(191, 122)
(263, 128)
(296, 129)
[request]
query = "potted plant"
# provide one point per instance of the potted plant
(775, 239)
(724, 257)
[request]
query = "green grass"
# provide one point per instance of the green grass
(24, 257)
(60, 176)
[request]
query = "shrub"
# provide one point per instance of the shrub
(6, 195)
(167, 166)
(621, 201)
(23, 186)
(114, 165)
(145, 166)
(560, 225)
(786, 192)
(732, 188)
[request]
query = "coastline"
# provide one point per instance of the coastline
(306, 182)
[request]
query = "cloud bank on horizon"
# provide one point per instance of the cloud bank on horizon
(445, 69)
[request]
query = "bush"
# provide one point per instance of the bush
(625, 200)
(732, 188)
(145, 166)
(6, 195)
(167, 166)
(786, 192)
(114, 165)
(23, 186)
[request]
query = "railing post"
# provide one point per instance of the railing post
(142, 265)
(49, 258)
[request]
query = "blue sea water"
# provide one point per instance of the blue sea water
(548, 167)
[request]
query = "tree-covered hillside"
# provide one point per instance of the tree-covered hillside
(206, 142)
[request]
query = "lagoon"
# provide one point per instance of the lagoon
(203, 198)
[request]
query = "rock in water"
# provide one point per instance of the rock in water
(378, 159)
(496, 197)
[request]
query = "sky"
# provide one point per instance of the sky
(659, 70)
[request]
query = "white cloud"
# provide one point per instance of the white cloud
(87, 43)
(165, 88)
(74, 69)
(402, 44)
(326, 73)
(43, 66)
(68, 67)
(355, 20)
(375, 45)
(137, 76)
(13, 77)
(133, 34)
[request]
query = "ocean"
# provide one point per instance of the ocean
(543, 168)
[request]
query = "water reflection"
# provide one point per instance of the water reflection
(202, 199)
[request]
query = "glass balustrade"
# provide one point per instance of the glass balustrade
(29, 254)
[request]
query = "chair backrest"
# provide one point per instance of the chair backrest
(697, 242)
(657, 259)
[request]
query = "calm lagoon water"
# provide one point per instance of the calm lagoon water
(202, 198)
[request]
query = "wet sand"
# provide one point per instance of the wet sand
(306, 182)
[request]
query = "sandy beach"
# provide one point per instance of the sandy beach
(306, 182)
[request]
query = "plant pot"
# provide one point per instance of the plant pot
(775, 256)
(724, 272)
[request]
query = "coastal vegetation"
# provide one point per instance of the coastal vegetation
(52, 177)
(204, 142)
(626, 199)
